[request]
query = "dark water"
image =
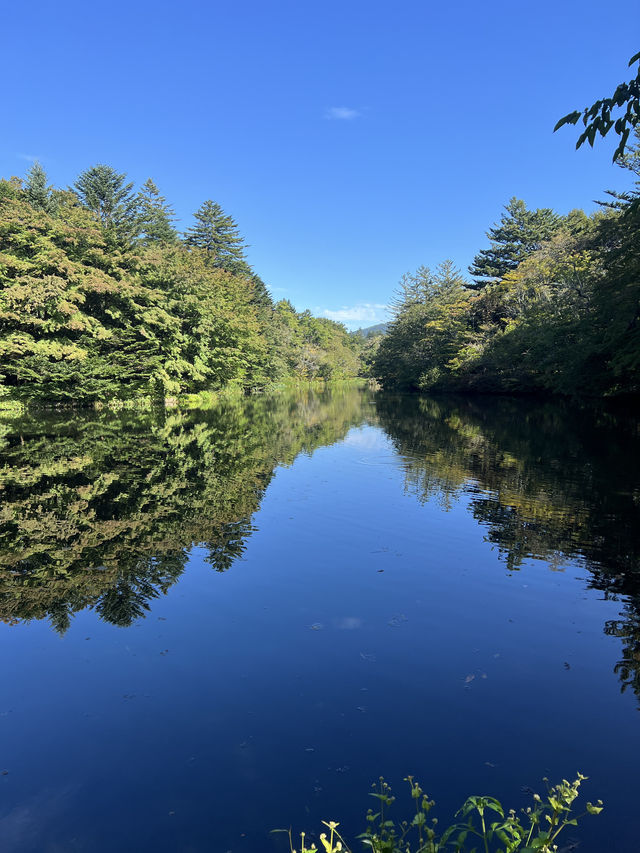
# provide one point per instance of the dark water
(218, 623)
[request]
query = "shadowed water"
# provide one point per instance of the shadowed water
(221, 622)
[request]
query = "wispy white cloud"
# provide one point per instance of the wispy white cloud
(342, 113)
(358, 316)
(31, 158)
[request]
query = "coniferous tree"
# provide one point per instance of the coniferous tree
(37, 192)
(448, 280)
(105, 192)
(155, 216)
(519, 232)
(411, 290)
(217, 234)
(261, 296)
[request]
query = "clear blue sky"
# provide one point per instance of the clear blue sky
(351, 140)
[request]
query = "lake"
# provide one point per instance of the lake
(218, 623)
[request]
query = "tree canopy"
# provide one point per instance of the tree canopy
(38, 193)
(99, 299)
(557, 309)
(217, 234)
(155, 216)
(107, 194)
(519, 232)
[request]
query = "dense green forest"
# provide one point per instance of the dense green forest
(101, 297)
(553, 306)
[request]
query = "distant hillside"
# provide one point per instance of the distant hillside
(378, 329)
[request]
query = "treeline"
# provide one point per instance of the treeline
(553, 306)
(101, 296)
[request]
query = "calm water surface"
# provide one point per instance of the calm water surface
(218, 623)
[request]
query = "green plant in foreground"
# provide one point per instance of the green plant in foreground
(483, 826)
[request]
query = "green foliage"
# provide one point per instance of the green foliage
(216, 234)
(105, 193)
(74, 321)
(37, 192)
(482, 821)
(87, 313)
(428, 330)
(599, 117)
(309, 347)
(155, 216)
(519, 232)
(557, 309)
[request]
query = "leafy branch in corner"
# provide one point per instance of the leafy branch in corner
(598, 119)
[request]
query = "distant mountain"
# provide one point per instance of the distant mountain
(378, 329)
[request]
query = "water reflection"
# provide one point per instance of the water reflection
(547, 480)
(101, 510)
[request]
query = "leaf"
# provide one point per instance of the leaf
(494, 805)
(634, 58)
(570, 118)
(582, 138)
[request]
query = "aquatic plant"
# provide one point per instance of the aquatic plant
(482, 821)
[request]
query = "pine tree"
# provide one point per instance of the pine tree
(37, 192)
(261, 296)
(155, 216)
(411, 290)
(106, 193)
(217, 234)
(448, 282)
(519, 232)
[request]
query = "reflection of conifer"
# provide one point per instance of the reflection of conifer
(60, 617)
(125, 602)
(228, 545)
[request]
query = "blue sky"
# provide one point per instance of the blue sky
(352, 141)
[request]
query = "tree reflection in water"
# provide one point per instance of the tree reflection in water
(101, 510)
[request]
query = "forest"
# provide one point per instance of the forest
(101, 298)
(553, 306)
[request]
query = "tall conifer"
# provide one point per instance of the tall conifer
(217, 234)
(155, 216)
(36, 190)
(519, 232)
(105, 192)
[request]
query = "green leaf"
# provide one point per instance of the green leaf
(570, 118)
